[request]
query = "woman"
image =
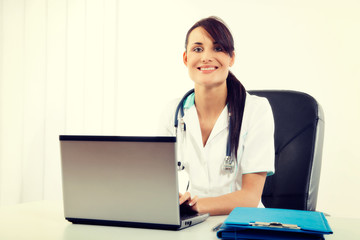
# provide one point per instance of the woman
(218, 102)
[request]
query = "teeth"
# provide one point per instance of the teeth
(205, 69)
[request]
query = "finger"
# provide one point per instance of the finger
(193, 201)
(185, 197)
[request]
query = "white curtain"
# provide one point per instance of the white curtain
(58, 76)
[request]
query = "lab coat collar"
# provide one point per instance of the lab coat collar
(191, 120)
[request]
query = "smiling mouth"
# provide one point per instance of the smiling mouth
(207, 68)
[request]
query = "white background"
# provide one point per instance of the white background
(109, 67)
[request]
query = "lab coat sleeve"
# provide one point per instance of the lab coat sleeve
(166, 119)
(259, 149)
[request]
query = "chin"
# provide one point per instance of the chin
(210, 84)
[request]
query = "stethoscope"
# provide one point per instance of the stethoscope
(229, 163)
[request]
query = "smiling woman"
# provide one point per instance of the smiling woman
(222, 122)
(208, 45)
(205, 56)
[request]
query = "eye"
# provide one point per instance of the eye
(218, 49)
(197, 49)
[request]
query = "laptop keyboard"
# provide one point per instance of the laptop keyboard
(186, 212)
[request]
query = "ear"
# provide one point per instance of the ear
(232, 61)
(185, 58)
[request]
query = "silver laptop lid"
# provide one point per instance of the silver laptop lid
(123, 179)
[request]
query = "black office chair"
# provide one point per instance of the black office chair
(299, 134)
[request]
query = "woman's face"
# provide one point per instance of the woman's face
(207, 63)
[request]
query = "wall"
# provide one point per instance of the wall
(109, 67)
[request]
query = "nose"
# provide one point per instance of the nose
(206, 56)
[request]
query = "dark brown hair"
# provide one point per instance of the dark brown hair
(236, 93)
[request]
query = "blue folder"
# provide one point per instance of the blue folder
(272, 223)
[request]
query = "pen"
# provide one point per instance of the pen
(217, 227)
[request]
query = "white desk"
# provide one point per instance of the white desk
(45, 220)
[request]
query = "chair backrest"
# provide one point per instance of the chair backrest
(299, 134)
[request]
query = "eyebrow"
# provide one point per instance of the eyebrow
(200, 43)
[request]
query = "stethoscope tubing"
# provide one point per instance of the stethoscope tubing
(180, 108)
(228, 162)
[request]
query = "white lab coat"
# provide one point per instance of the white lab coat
(204, 164)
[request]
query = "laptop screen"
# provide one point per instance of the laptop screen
(127, 179)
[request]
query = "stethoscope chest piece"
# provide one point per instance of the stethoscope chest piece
(229, 164)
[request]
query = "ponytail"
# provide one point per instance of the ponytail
(236, 104)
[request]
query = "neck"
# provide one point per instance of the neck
(210, 101)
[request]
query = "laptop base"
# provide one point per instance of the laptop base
(184, 223)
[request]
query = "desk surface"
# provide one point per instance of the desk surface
(45, 220)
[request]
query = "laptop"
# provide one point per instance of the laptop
(123, 181)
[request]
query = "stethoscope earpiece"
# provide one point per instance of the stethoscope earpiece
(180, 166)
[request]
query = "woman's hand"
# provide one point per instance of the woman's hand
(248, 196)
(186, 199)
